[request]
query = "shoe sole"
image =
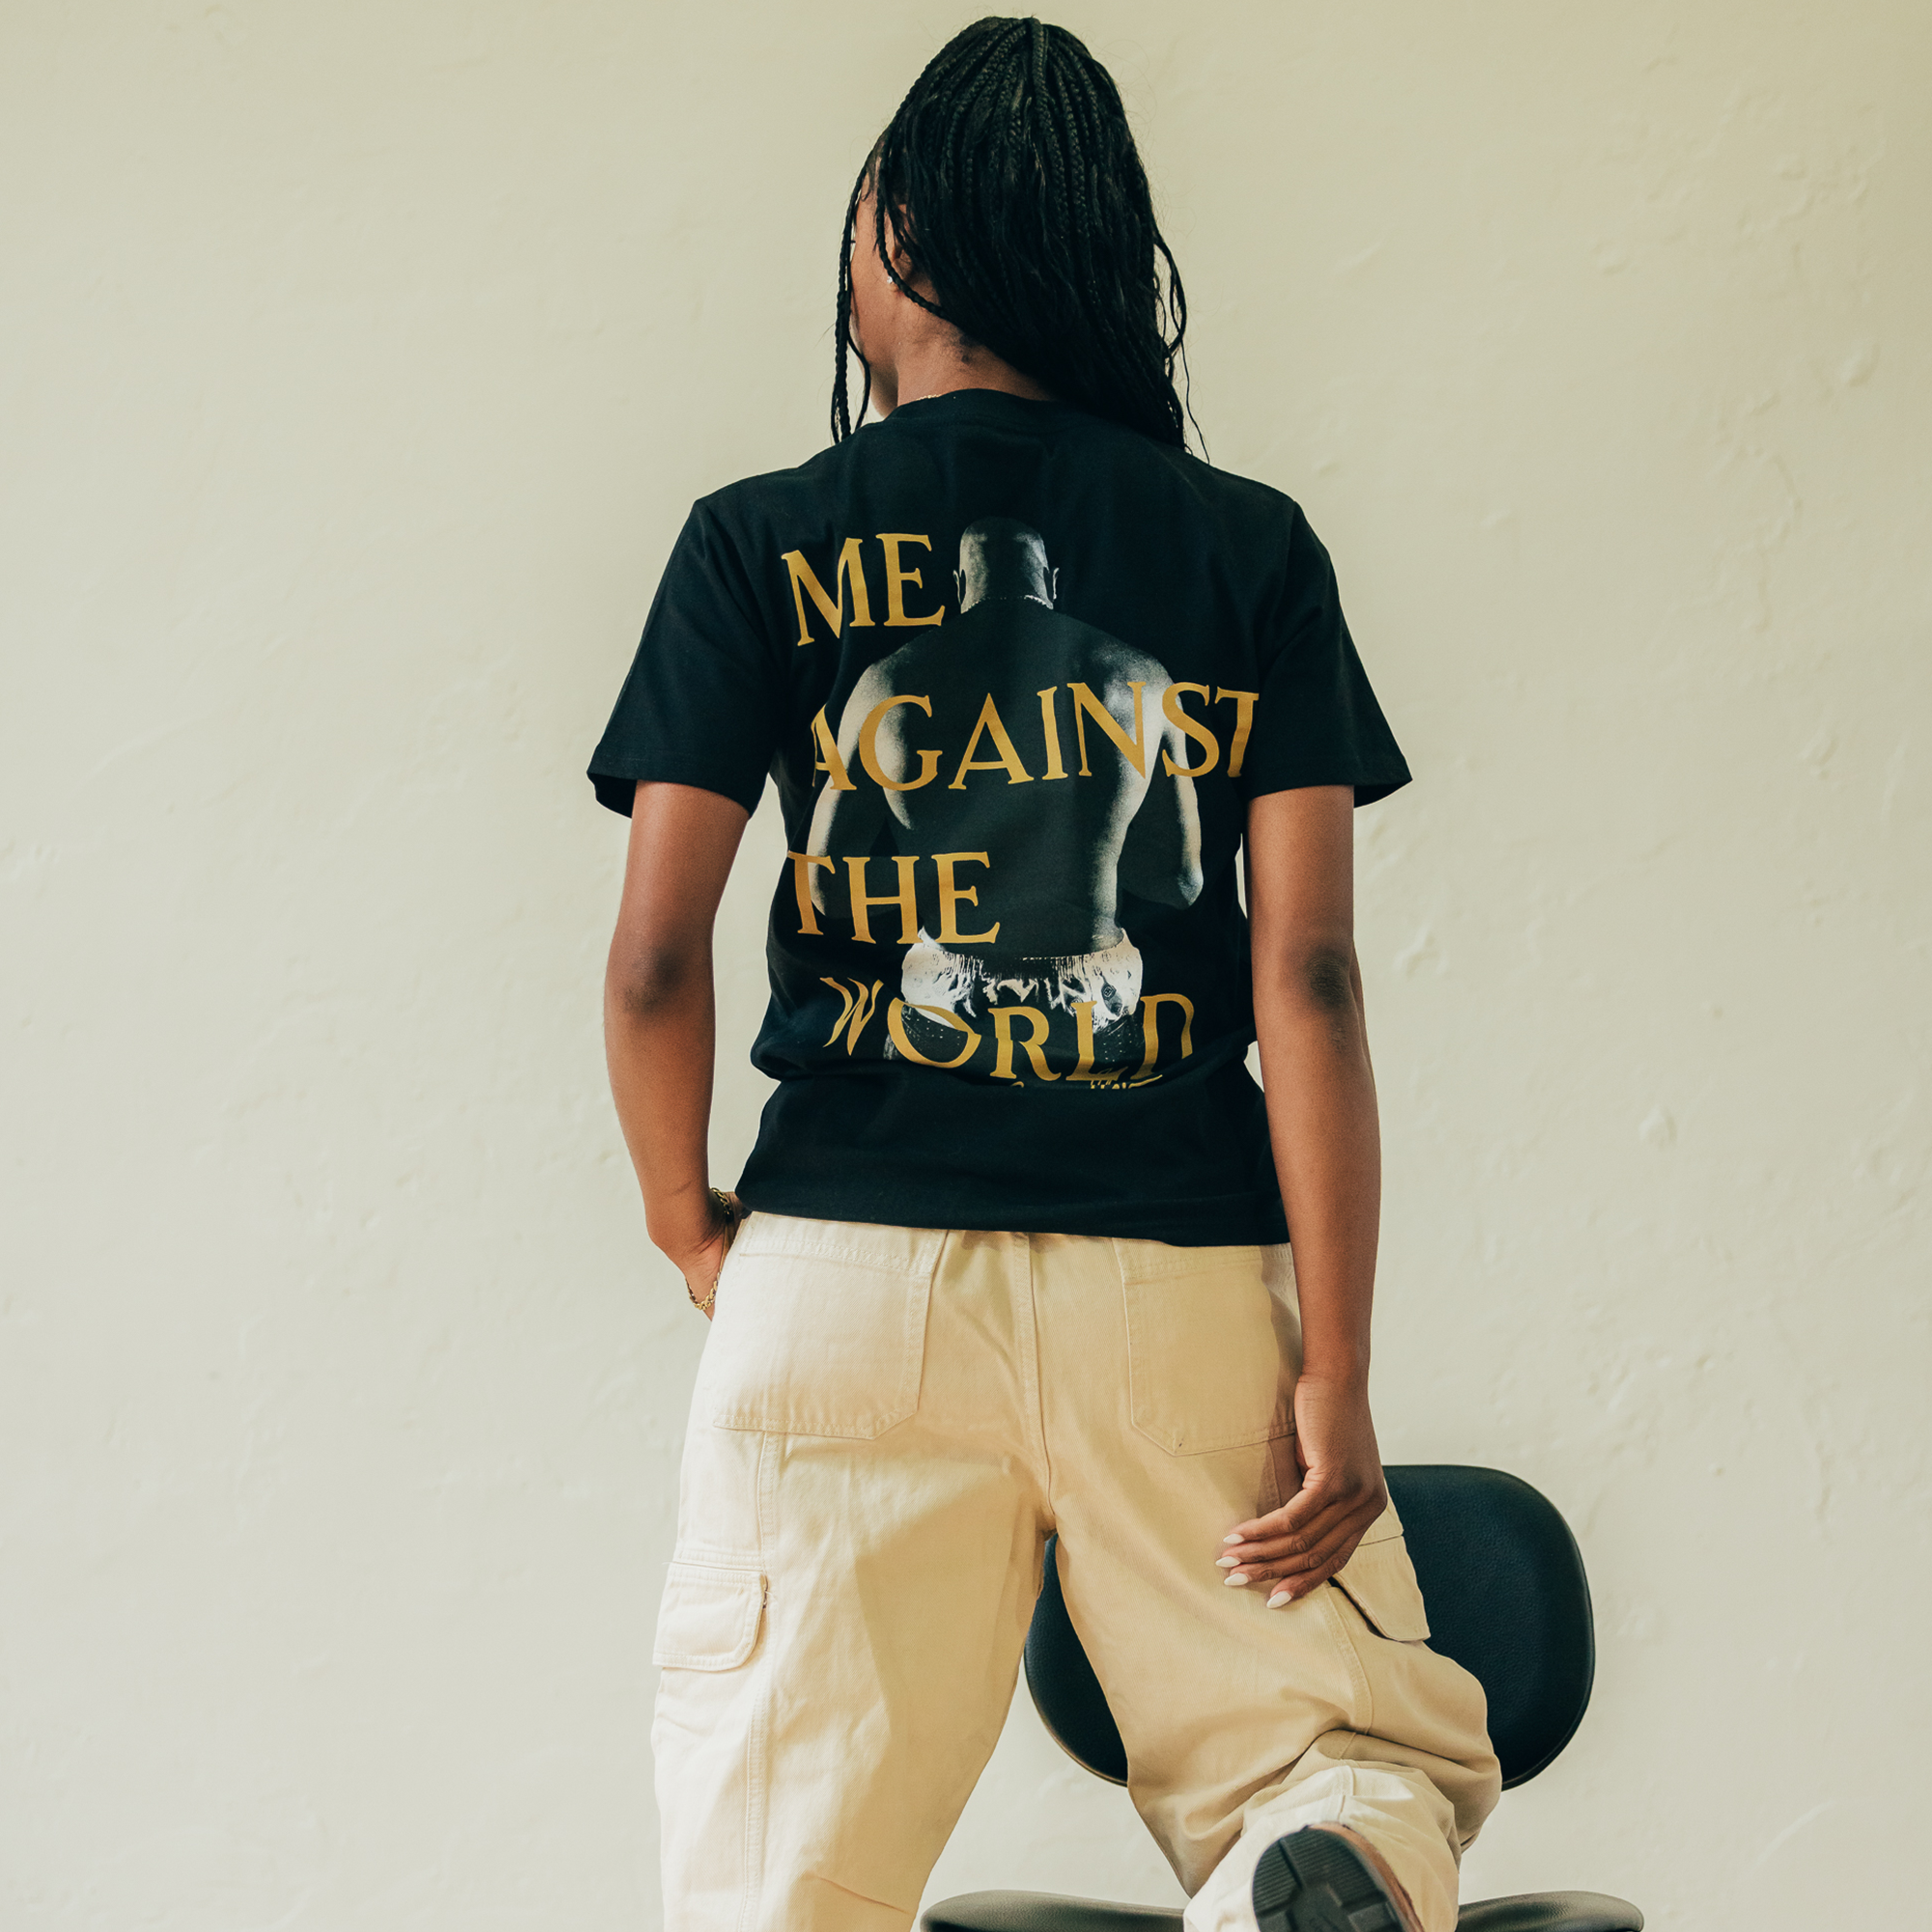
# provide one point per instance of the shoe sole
(1317, 1882)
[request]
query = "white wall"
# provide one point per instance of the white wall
(360, 362)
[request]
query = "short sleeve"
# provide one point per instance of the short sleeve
(1315, 720)
(703, 700)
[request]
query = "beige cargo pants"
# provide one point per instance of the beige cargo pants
(887, 1424)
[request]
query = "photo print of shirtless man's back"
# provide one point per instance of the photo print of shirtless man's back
(1000, 790)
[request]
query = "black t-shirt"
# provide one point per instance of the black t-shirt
(1016, 672)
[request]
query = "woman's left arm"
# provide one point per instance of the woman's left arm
(1327, 1155)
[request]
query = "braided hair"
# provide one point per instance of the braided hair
(1012, 182)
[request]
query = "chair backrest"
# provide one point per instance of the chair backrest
(1507, 1599)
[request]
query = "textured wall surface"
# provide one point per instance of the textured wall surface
(360, 362)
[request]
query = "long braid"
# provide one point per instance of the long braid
(1010, 180)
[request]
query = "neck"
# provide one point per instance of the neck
(934, 363)
(1038, 597)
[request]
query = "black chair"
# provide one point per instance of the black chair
(1507, 1599)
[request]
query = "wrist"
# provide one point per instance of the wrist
(696, 1222)
(1346, 1371)
(682, 1222)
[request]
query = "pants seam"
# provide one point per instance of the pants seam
(755, 1770)
(1026, 1307)
(756, 1740)
(1359, 1675)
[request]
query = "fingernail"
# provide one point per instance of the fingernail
(1234, 1536)
(1226, 1562)
(1279, 1598)
(1235, 1581)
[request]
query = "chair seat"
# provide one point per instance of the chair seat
(1551, 1912)
(1041, 1912)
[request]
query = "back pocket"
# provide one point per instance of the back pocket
(1208, 1364)
(820, 1328)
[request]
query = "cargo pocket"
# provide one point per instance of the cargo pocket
(1380, 1581)
(709, 1618)
(1207, 1368)
(820, 1328)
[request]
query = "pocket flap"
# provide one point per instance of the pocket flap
(1380, 1581)
(709, 1618)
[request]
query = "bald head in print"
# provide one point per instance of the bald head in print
(1001, 557)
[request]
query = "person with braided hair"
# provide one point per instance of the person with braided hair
(1022, 1250)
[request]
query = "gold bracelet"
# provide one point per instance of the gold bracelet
(733, 1219)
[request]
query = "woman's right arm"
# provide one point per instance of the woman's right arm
(658, 1014)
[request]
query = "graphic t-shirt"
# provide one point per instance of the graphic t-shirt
(1016, 672)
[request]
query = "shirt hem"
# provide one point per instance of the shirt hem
(1248, 1226)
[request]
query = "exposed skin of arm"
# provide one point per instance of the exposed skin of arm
(659, 1023)
(1327, 1152)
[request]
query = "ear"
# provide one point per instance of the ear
(959, 588)
(1053, 584)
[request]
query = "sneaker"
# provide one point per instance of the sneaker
(1321, 1880)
